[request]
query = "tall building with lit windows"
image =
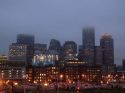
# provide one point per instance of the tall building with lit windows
(70, 50)
(75, 71)
(15, 73)
(11, 69)
(107, 45)
(23, 49)
(46, 59)
(3, 61)
(18, 52)
(88, 38)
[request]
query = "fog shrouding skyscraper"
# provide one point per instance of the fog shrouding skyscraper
(88, 37)
(25, 39)
(23, 49)
(106, 43)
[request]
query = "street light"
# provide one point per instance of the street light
(15, 83)
(44, 85)
(35, 82)
(101, 82)
(61, 76)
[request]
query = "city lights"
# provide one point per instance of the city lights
(59, 46)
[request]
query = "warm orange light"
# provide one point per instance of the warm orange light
(78, 88)
(35, 82)
(29, 80)
(70, 81)
(109, 76)
(83, 75)
(61, 76)
(107, 82)
(101, 82)
(1, 82)
(15, 83)
(45, 84)
(7, 81)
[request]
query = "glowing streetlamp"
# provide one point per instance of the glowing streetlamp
(61, 76)
(109, 76)
(101, 82)
(35, 82)
(15, 83)
(45, 84)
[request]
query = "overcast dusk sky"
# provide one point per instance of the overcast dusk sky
(62, 20)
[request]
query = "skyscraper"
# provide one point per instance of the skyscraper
(70, 50)
(28, 40)
(18, 52)
(106, 43)
(25, 39)
(40, 48)
(81, 53)
(98, 56)
(123, 64)
(55, 48)
(88, 44)
(23, 49)
(55, 45)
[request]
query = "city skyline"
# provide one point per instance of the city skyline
(62, 23)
